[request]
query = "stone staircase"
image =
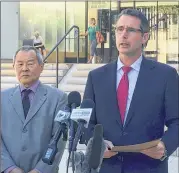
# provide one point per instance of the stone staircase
(48, 75)
(75, 79)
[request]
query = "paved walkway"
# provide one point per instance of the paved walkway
(173, 164)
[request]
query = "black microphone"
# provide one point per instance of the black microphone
(62, 118)
(74, 100)
(98, 149)
(82, 116)
(91, 161)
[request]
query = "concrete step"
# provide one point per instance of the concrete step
(70, 88)
(81, 81)
(52, 73)
(8, 85)
(176, 66)
(80, 74)
(60, 66)
(8, 72)
(14, 80)
(176, 152)
(46, 66)
(88, 66)
(6, 66)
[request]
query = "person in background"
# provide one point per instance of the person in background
(39, 44)
(135, 98)
(92, 29)
(27, 117)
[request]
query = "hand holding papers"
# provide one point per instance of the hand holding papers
(135, 148)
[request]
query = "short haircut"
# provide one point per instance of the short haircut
(144, 26)
(93, 19)
(27, 49)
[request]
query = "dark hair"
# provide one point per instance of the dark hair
(93, 19)
(144, 26)
(27, 49)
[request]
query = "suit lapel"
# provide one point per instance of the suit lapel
(16, 101)
(39, 99)
(113, 92)
(144, 74)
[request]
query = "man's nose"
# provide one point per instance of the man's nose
(124, 34)
(25, 67)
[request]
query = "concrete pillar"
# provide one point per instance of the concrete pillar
(9, 28)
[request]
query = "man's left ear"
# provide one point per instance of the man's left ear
(146, 37)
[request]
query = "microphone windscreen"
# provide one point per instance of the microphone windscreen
(85, 166)
(97, 147)
(87, 103)
(74, 97)
(94, 151)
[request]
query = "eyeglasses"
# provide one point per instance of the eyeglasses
(129, 30)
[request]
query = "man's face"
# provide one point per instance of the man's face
(129, 38)
(27, 68)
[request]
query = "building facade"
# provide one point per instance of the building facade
(19, 21)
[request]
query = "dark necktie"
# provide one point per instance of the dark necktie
(26, 102)
(122, 92)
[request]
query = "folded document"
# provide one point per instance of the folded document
(137, 147)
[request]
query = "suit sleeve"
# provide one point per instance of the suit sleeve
(43, 167)
(89, 94)
(171, 136)
(6, 160)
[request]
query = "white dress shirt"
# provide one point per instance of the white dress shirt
(132, 76)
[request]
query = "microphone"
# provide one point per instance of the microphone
(74, 100)
(91, 161)
(62, 118)
(82, 116)
(98, 149)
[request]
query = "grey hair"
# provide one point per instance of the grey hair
(27, 49)
(144, 25)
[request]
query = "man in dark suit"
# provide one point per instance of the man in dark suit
(135, 98)
(27, 117)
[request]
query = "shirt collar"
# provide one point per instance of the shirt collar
(33, 87)
(136, 65)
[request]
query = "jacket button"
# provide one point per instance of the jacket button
(124, 133)
(24, 148)
(24, 130)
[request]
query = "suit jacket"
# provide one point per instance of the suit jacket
(24, 141)
(154, 104)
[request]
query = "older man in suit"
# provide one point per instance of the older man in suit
(27, 122)
(135, 98)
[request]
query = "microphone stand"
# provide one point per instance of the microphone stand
(94, 171)
(73, 127)
(76, 140)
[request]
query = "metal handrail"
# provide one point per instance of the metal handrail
(56, 47)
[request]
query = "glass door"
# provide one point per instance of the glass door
(101, 11)
(168, 32)
(75, 15)
(150, 10)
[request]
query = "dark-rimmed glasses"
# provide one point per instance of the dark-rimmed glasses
(129, 30)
